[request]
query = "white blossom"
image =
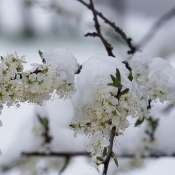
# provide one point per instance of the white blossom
(66, 66)
(97, 107)
(155, 75)
(96, 146)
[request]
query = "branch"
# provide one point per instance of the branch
(67, 154)
(54, 154)
(79, 69)
(108, 46)
(153, 155)
(109, 153)
(72, 154)
(156, 26)
(127, 40)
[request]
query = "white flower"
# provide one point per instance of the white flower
(40, 77)
(32, 77)
(96, 146)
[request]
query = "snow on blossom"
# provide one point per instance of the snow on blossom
(156, 75)
(39, 84)
(96, 105)
(66, 66)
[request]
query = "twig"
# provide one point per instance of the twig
(109, 153)
(152, 126)
(72, 154)
(55, 154)
(79, 69)
(127, 65)
(98, 33)
(149, 104)
(127, 40)
(65, 165)
(156, 26)
(153, 155)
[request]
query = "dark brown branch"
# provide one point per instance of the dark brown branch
(67, 154)
(71, 154)
(54, 154)
(65, 165)
(127, 65)
(79, 69)
(153, 155)
(127, 40)
(149, 104)
(108, 46)
(109, 153)
(156, 26)
(94, 34)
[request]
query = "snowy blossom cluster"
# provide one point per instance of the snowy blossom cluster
(38, 84)
(100, 105)
(156, 76)
(66, 66)
(11, 89)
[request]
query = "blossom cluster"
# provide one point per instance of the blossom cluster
(38, 84)
(100, 105)
(155, 75)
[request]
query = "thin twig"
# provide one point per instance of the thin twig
(156, 26)
(79, 69)
(55, 154)
(72, 154)
(109, 153)
(153, 155)
(108, 46)
(126, 39)
(67, 159)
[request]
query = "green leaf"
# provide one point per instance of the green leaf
(130, 77)
(117, 83)
(116, 134)
(40, 53)
(111, 84)
(125, 91)
(44, 121)
(116, 162)
(113, 78)
(118, 74)
(115, 159)
(139, 122)
(100, 159)
(104, 151)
